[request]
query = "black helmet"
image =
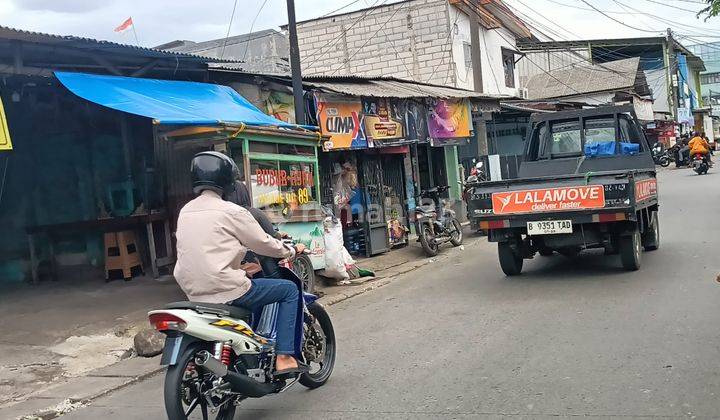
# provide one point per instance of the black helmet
(213, 171)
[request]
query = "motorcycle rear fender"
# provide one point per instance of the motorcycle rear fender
(175, 345)
(211, 328)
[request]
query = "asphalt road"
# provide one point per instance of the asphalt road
(566, 338)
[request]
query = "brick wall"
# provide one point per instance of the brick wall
(409, 40)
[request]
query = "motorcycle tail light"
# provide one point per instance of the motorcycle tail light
(167, 322)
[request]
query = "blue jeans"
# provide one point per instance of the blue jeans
(266, 291)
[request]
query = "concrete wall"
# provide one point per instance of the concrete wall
(420, 40)
(491, 44)
(407, 39)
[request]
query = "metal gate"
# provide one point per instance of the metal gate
(375, 225)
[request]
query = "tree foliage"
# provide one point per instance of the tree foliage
(711, 10)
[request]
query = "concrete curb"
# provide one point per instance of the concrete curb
(109, 375)
(391, 273)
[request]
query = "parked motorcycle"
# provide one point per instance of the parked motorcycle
(433, 229)
(660, 155)
(477, 173)
(700, 164)
(218, 355)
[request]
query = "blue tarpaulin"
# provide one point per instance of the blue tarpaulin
(168, 101)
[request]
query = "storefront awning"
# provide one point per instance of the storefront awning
(168, 101)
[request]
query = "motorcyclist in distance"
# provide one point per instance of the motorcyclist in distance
(698, 145)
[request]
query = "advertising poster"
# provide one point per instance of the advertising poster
(342, 120)
(415, 120)
(383, 121)
(309, 234)
(281, 106)
(5, 143)
(448, 118)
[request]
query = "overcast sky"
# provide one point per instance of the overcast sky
(159, 21)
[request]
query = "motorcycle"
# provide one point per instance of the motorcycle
(218, 355)
(434, 230)
(660, 155)
(700, 164)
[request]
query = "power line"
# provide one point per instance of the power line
(252, 26)
(542, 69)
(449, 35)
(232, 16)
(670, 23)
(371, 37)
(336, 39)
(617, 20)
(339, 9)
(492, 69)
(673, 6)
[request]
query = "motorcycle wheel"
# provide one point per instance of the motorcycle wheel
(302, 266)
(426, 241)
(183, 384)
(456, 238)
(664, 161)
(317, 378)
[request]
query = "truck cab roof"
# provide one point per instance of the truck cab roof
(602, 139)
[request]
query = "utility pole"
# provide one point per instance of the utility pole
(476, 58)
(672, 72)
(297, 86)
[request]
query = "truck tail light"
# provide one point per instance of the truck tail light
(164, 321)
(608, 217)
(494, 224)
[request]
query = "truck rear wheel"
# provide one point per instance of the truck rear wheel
(651, 238)
(510, 262)
(630, 251)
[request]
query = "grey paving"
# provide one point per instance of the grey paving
(568, 338)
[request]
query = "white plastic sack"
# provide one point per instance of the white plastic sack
(335, 252)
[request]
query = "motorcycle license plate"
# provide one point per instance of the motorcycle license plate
(549, 227)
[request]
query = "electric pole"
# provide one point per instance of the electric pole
(297, 86)
(674, 82)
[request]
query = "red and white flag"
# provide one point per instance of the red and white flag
(125, 25)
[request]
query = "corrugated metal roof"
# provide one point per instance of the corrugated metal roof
(95, 44)
(613, 75)
(390, 87)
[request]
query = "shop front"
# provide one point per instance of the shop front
(278, 161)
(381, 153)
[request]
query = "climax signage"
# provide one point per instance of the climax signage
(549, 199)
(342, 121)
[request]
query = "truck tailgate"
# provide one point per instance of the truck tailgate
(521, 200)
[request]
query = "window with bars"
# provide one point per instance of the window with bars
(709, 78)
(508, 59)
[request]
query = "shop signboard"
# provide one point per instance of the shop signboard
(280, 105)
(342, 120)
(5, 143)
(383, 121)
(448, 118)
(282, 184)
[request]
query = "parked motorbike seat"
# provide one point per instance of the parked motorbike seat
(213, 308)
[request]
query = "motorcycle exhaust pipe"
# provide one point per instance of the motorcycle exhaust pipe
(239, 383)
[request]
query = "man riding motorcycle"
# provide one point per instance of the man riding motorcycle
(213, 236)
(698, 145)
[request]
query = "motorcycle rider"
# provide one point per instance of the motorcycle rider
(213, 236)
(698, 145)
